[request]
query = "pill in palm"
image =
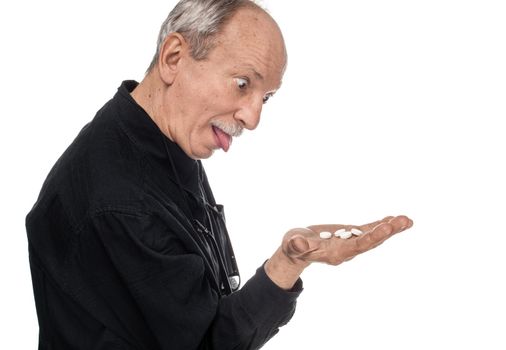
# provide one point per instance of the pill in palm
(345, 235)
(356, 231)
(325, 235)
(338, 232)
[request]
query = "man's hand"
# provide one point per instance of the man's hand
(305, 243)
(303, 246)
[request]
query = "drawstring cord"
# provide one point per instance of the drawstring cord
(228, 284)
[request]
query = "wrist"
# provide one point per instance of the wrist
(283, 270)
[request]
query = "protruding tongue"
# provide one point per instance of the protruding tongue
(223, 138)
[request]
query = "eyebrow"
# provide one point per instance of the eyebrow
(255, 72)
(258, 75)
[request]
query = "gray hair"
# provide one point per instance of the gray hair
(198, 21)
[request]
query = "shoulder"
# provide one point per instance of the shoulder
(100, 168)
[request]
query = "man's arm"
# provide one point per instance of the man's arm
(172, 296)
(303, 246)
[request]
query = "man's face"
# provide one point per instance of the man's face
(215, 98)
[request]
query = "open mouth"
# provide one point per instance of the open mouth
(223, 139)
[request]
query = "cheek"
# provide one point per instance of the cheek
(214, 103)
(206, 98)
(198, 122)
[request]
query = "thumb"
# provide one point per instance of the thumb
(297, 246)
(298, 242)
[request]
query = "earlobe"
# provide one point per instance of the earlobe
(171, 52)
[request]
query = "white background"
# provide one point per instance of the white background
(387, 107)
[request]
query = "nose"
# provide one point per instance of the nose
(249, 112)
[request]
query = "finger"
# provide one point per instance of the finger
(374, 238)
(294, 246)
(372, 225)
(382, 232)
(400, 223)
(299, 246)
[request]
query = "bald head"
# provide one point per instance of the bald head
(200, 22)
(251, 34)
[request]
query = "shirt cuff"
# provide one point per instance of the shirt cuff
(268, 302)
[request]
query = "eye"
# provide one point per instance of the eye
(242, 83)
(267, 97)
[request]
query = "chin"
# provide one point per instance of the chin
(204, 154)
(208, 155)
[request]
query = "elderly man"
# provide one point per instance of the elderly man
(128, 248)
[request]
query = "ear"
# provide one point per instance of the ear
(173, 49)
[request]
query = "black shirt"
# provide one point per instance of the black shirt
(128, 249)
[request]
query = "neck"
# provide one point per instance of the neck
(149, 95)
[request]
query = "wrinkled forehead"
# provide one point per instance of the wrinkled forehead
(251, 35)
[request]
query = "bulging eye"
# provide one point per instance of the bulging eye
(242, 83)
(266, 98)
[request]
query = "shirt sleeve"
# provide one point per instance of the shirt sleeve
(248, 318)
(155, 284)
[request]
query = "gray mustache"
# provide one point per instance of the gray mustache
(234, 130)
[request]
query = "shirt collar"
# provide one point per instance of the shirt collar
(143, 131)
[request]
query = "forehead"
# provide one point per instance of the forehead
(252, 39)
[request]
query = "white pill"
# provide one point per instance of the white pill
(325, 235)
(338, 232)
(356, 231)
(345, 235)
